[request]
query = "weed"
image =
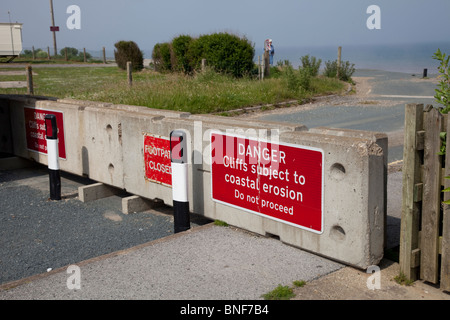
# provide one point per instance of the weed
(403, 280)
(299, 283)
(279, 293)
(220, 223)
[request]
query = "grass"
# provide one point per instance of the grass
(279, 293)
(283, 292)
(203, 93)
(220, 223)
(403, 280)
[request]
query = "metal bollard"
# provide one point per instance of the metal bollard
(51, 130)
(178, 157)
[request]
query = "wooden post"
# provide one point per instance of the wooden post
(129, 74)
(339, 62)
(266, 63)
(203, 65)
(445, 243)
(259, 67)
(409, 230)
(84, 54)
(431, 199)
(104, 55)
(263, 68)
(48, 53)
(29, 72)
(54, 31)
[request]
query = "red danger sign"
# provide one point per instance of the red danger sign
(157, 159)
(35, 130)
(280, 181)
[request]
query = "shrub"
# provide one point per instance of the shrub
(71, 52)
(311, 65)
(442, 95)
(345, 71)
(224, 53)
(181, 59)
(128, 51)
(296, 80)
(161, 56)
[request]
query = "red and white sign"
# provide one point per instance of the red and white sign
(157, 159)
(35, 130)
(280, 181)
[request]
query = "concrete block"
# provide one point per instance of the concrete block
(105, 142)
(133, 204)
(96, 191)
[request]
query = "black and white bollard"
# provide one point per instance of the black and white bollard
(51, 130)
(178, 157)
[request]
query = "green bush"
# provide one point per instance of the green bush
(224, 53)
(128, 51)
(296, 81)
(181, 59)
(161, 56)
(311, 65)
(345, 71)
(73, 54)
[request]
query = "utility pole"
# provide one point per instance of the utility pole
(11, 30)
(53, 27)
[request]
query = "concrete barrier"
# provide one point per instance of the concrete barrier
(106, 143)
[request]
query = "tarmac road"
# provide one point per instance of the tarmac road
(378, 105)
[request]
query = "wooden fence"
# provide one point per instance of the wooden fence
(425, 222)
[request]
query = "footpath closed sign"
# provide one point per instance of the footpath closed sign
(280, 181)
(157, 159)
(35, 130)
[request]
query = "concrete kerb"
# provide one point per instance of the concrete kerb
(354, 170)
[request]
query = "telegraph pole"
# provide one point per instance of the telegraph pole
(53, 27)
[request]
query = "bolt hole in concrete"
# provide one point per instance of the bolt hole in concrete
(108, 128)
(337, 233)
(337, 171)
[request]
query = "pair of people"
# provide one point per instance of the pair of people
(270, 48)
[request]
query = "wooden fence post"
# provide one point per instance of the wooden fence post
(129, 74)
(104, 55)
(339, 62)
(445, 243)
(29, 72)
(203, 65)
(409, 236)
(431, 199)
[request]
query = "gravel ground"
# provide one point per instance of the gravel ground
(38, 234)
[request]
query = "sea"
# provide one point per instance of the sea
(406, 58)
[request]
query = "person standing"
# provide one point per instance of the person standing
(271, 50)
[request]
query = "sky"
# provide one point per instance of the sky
(290, 23)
